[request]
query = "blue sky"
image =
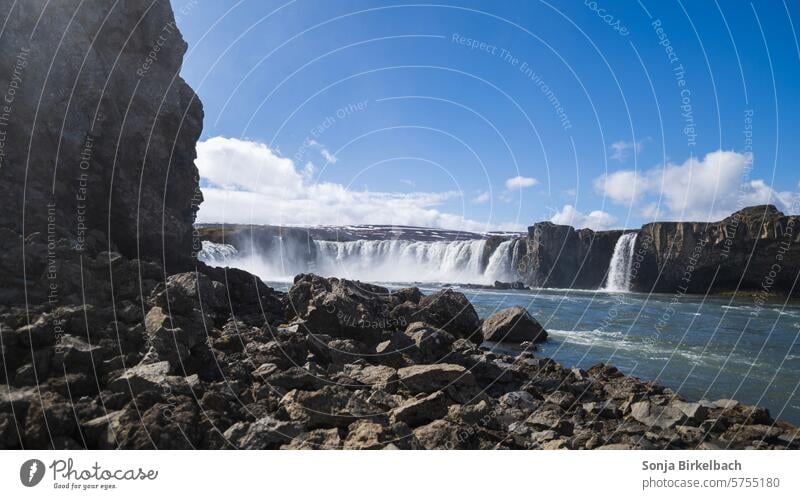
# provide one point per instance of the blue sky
(484, 115)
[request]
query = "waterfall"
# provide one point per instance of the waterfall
(619, 270)
(214, 253)
(457, 262)
(500, 265)
(403, 261)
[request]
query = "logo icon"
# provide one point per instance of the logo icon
(31, 472)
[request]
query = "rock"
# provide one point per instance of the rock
(145, 125)
(615, 447)
(550, 418)
(316, 439)
(9, 436)
(433, 344)
(295, 378)
(653, 415)
(49, 417)
(606, 409)
(513, 325)
(376, 377)
(340, 307)
(76, 355)
(693, 411)
(559, 256)
(16, 400)
(722, 248)
(265, 433)
(480, 414)
(141, 378)
(39, 334)
(198, 288)
(725, 404)
(417, 412)
(565, 400)
(751, 433)
(331, 406)
(433, 377)
(451, 311)
(442, 434)
(101, 432)
(366, 435)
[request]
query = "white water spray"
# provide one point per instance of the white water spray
(454, 262)
(620, 269)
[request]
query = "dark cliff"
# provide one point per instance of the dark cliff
(98, 130)
(754, 249)
(559, 256)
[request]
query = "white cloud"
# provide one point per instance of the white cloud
(596, 220)
(697, 189)
(246, 182)
(519, 182)
(621, 149)
(251, 166)
(623, 187)
(323, 151)
(482, 198)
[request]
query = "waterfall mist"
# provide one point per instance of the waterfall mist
(463, 262)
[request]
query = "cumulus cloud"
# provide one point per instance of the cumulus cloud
(482, 198)
(622, 150)
(323, 151)
(697, 189)
(519, 182)
(596, 220)
(246, 182)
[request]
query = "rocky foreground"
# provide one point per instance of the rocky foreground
(215, 359)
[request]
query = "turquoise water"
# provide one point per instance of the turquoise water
(700, 347)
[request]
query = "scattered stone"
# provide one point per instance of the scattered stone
(433, 377)
(421, 411)
(653, 415)
(513, 325)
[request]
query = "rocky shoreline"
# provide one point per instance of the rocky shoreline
(215, 359)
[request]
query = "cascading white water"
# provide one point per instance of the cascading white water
(216, 253)
(500, 265)
(379, 261)
(403, 261)
(619, 270)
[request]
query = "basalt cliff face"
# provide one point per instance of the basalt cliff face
(755, 249)
(559, 256)
(98, 129)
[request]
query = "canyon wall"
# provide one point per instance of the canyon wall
(559, 256)
(98, 130)
(755, 249)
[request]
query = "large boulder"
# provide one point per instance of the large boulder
(451, 311)
(512, 325)
(340, 307)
